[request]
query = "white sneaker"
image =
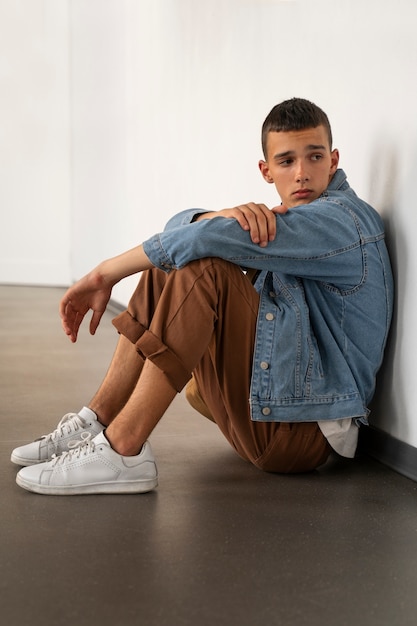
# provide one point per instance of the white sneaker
(92, 468)
(73, 427)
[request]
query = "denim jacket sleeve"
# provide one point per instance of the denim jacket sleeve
(183, 218)
(321, 241)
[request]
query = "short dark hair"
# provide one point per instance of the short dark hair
(294, 114)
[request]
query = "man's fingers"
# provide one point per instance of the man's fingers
(252, 222)
(74, 325)
(89, 293)
(271, 223)
(70, 319)
(256, 218)
(95, 321)
(261, 222)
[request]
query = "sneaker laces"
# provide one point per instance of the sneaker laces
(71, 422)
(76, 450)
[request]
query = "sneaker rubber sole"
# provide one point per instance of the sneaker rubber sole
(119, 487)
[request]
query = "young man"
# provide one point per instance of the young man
(284, 364)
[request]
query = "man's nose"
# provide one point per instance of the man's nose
(301, 173)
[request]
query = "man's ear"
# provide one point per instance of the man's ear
(263, 166)
(334, 161)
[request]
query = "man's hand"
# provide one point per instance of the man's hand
(91, 292)
(94, 290)
(258, 219)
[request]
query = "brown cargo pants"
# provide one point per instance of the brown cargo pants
(198, 326)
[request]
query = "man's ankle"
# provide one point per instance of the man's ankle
(100, 415)
(121, 444)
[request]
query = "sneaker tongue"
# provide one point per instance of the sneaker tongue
(87, 413)
(101, 439)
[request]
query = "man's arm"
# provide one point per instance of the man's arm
(256, 218)
(93, 291)
(319, 241)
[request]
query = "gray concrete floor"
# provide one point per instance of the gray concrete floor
(217, 543)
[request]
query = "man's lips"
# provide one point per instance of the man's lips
(302, 193)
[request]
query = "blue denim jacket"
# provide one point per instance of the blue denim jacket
(326, 297)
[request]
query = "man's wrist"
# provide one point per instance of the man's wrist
(131, 262)
(103, 275)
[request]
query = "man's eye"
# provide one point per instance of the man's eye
(316, 157)
(286, 162)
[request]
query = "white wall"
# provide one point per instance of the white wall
(34, 142)
(167, 99)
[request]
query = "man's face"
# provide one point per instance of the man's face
(300, 164)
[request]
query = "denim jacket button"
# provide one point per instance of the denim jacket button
(269, 316)
(264, 365)
(266, 411)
